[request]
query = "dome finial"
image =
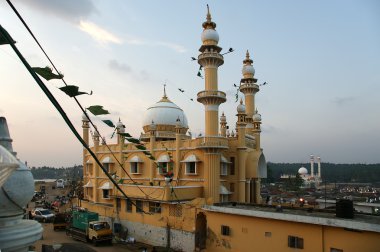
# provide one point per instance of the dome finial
(247, 55)
(208, 14)
(165, 97)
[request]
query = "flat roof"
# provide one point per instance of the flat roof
(363, 222)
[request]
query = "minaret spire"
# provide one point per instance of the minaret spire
(165, 97)
(208, 14)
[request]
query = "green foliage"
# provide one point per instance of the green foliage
(72, 173)
(72, 90)
(47, 73)
(97, 110)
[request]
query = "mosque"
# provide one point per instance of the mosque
(309, 180)
(203, 193)
(216, 167)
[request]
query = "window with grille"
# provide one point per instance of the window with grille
(89, 169)
(223, 169)
(163, 167)
(106, 194)
(139, 206)
(106, 166)
(128, 205)
(295, 242)
(175, 210)
(191, 168)
(232, 166)
(134, 167)
(225, 230)
(118, 204)
(232, 187)
(154, 207)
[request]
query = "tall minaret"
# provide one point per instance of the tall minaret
(319, 166)
(249, 88)
(210, 59)
(312, 165)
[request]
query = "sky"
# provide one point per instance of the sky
(321, 60)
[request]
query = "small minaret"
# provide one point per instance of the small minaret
(210, 59)
(312, 165)
(152, 130)
(249, 88)
(223, 125)
(120, 128)
(241, 150)
(319, 167)
(257, 129)
(85, 127)
(178, 135)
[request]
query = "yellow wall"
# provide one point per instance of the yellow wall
(249, 234)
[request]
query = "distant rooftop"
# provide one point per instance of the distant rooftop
(362, 222)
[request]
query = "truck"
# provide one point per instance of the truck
(85, 226)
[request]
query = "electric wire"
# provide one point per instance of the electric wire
(76, 100)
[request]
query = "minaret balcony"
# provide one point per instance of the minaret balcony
(210, 59)
(211, 97)
(218, 142)
(249, 88)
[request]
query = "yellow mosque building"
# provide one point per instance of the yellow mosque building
(179, 188)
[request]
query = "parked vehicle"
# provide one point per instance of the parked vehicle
(60, 183)
(42, 215)
(60, 221)
(85, 226)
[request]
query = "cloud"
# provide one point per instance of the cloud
(175, 47)
(343, 100)
(99, 34)
(115, 65)
(132, 40)
(70, 10)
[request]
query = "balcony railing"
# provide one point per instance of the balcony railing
(212, 142)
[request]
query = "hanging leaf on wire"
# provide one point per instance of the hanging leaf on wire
(72, 90)
(133, 140)
(109, 123)
(140, 147)
(3, 38)
(125, 134)
(47, 73)
(97, 110)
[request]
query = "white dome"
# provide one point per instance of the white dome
(241, 108)
(257, 117)
(164, 112)
(248, 69)
(210, 34)
(119, 124)
(84, 118)
(302, 171)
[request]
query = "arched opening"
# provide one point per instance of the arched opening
(262, 166)
(200, 232)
